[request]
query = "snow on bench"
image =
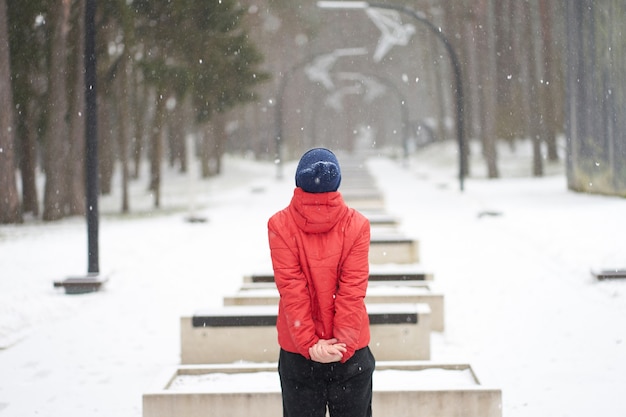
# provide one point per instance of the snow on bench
(247, 333)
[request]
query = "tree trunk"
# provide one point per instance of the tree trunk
(140, 96)
(595, 97)
(472, 75)
(550, 84)
(27, 144)
(130, 114)
(459, 34)
(105, 140)
(9, 198)
(176, 133)
(509, 114)
(440, 73)
(183, 110)
(537, 121)
(76, 163)
(56, 140)
(206, 142)
(125, 126)
(488, 70)
(220, 141)
(520, 89)
(156, 149)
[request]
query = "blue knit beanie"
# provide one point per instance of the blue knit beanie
(318, 171)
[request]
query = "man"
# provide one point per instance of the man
(319, 249)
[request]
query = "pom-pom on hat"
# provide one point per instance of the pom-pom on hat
(318, 171)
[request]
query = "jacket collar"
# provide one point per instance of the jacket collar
(316, 212)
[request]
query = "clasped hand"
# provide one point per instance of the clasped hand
(327, 351)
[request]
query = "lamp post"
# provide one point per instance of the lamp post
(92, 281)
(451, 53)
(91, 138)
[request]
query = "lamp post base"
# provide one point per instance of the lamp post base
(92, 282)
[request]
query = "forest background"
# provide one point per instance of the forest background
(179, 79)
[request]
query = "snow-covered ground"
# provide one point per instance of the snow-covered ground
(512, 257)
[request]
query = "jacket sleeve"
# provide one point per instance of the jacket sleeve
(349, 303)
(292, 286)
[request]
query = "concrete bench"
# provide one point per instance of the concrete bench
(363, 198)
(361, 192)
(615, 273)
(401, 389)
(362, 204)
(409, 283)
(247, 286)
(247, 333)
(396, 274)
(380, 219)
(376, 294)
(393, 248)
(356, 179)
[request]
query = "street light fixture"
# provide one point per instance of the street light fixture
(420, 17)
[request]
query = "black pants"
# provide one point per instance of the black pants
(308, 386)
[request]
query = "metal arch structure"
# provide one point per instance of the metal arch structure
(404, 113)
(286, 76)
(420, 17)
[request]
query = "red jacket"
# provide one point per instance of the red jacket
(319, 248)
